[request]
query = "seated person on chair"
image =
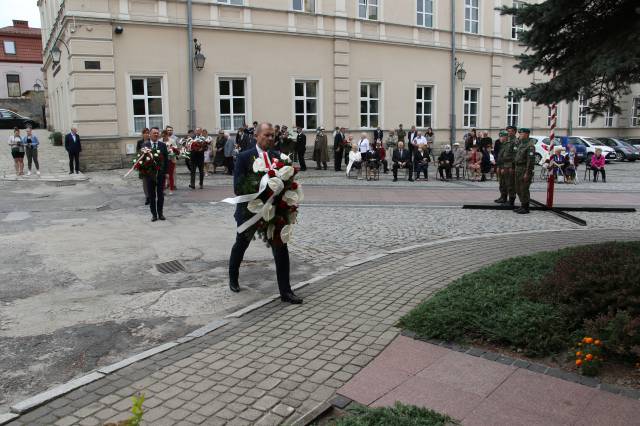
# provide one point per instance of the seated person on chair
(373, 162)
(459, 155)
(402, 160)
(557, 162)
(355, 158)
(445, 161)
(570, 164)
(421, 160)
(597, 165)
(474, 159)
(382, 155)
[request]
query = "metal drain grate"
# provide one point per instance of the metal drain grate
(171, 267)
(65, 183)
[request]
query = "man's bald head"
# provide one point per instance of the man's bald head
(265, 135)
(262, 126)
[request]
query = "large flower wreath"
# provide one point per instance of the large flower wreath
(149, 162)
(273, 196)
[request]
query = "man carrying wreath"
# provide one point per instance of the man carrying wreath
(155, 182)
(244, 176)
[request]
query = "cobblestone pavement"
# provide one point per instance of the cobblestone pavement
(277, 363)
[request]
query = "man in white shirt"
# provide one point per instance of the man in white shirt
(363, 145)
(419, 140)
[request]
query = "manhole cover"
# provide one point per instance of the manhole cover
(171, 267)
(65, 183)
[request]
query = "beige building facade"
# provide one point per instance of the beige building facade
(124, 65)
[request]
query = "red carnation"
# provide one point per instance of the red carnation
(280, 221)
(296, 169)
(279, 164)
(272, 173)
(294, 186)
(293, 208)
(282, 204)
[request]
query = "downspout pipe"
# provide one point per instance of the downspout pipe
(192, 107)
(453, 74)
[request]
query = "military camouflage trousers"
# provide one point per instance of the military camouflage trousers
(522, 185)
(507, 182)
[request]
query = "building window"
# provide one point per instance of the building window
(368, 9)
(306, 104)
(9, 47)
(233, 103)
(424, 99)
(583, 107)
(516, 27)
(13, 85)
(232, 2)
(471, 16)
(470, 118)
(608, 118)
(308, 6)
(369, 105)
(513, 109)
(147, 103)
(425, 13)
(635, 112)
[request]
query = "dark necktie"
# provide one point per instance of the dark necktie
(154, 146)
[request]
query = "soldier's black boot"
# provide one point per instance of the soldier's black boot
(524, 209)
(511, 203)
(501, 200)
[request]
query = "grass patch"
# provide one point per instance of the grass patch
(540, 303)
(398, 415)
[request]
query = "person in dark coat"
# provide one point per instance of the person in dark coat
(485, 164)
(139, 145)
(74, 147)
(338, 150)
(445, 161)
(301, 148)
(156, 183)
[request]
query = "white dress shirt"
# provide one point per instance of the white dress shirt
(363, 146)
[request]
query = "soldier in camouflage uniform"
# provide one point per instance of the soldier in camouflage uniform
(525, 161)
(504, 165)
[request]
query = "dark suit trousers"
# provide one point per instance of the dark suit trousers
(74, 157)
(337, 159)
(197, 162)
(346, 156)
(303, 165)
(155, 191)
(280, 255)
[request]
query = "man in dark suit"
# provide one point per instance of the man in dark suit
(243, 167)
(402, 160)
(301, 148)
(338, 149)
(378, 135)
(155, 187)
(74, 148)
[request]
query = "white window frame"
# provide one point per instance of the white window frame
(232, 2)
(635, 112)
(368, 5)
(468, 22)
(368, 98)
(609, 119)
(19, 93)
(165, 102)
(304, 98)
(465, 124)
(231, 97)
(306, 6)
(583, 104)
(432, 116)
(12, 49)
(516, 28)
(425, 14)
(513, 103)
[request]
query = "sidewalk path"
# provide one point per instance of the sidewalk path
(281, 361)
(477, 391)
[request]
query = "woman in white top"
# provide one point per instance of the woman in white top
(17, 151)
(355, 157)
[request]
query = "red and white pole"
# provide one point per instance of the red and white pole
(552, 135)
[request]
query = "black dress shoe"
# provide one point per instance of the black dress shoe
(147, 202)
(192, 187)
(161, 217)
(410, 180)
(291, 298)
(235, 287)
(70, 173)
(395, 179)
(154, 219)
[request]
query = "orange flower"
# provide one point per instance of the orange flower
(597, 342)
(578, 362)
(588, 340)
(578, 353)
(589, 357)
(584, 339)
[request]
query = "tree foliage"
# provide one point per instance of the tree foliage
(593, 46)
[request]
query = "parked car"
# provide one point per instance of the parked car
(543, 143)
(10, 119)
(633, 141)
(624, 150)
(591, 144)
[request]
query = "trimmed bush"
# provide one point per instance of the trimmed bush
(398, 415)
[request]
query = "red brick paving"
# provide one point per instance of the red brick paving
(481, 392)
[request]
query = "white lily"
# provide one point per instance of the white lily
(286, 233)
(285, 157)
(255, 206)
(270, 230)
(259, 165)
(285, 173)
(276, 185)
(269, 212)
(291, 198)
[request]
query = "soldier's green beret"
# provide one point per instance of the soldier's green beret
(503, 133)
(524, 130)
(511, 127)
